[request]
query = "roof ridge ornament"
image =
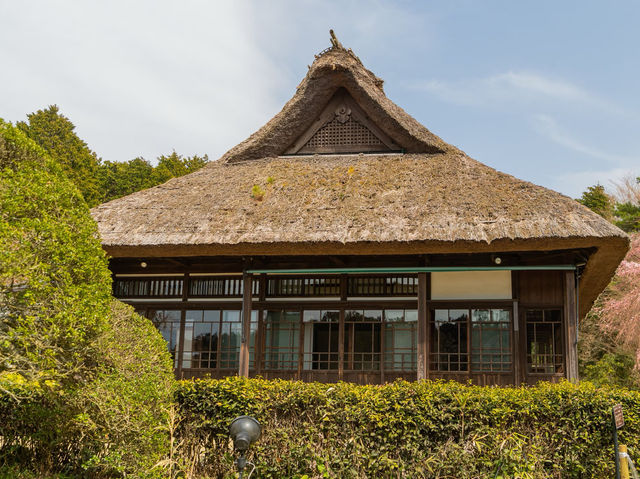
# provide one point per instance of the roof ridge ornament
(336, 45)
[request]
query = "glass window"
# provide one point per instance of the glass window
(400, 340)
(490, 340)
(449, 340)
(544, 341)
(282, 340)
(362, 339)
(230, 337)
(321, 339)
(201, 334)
(168, 323)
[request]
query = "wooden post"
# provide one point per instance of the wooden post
(341, 345)
(624, 463)
(246, 324)
(515, 347)
(570, 326)
(180, 346)
(422, 326)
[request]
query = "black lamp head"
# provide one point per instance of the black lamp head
(244, 431)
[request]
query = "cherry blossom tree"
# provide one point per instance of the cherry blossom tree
(619, 310)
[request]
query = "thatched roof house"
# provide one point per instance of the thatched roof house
(343, 182)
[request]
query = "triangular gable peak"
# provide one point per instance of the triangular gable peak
(309, 124)
(343, 127)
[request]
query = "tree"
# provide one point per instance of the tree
(596, 199)
(619, 310)
(627, 217)
(100, 181)
(627, 209)
(175, 165)
(55, 133)
(117, 179)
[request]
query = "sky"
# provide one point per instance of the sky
(544, 90)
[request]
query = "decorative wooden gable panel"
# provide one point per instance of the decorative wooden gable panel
(342, 127)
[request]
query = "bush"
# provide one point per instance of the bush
(423, 429)
(85, 383)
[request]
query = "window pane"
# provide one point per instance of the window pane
(544, 341)
(230, 337)
(491, 340)
(400, 342)
(449, 340)
(282, 335)
(362, 340)
(168, 323)
(321, 339)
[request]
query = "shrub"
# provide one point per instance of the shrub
(85, 384)
(423, 429)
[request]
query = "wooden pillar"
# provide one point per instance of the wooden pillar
(518, 366)
(422, 326)
(246, 324)
(341, 345)
(180, 346)
(570, 326)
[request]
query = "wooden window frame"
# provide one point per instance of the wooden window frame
(469, 305)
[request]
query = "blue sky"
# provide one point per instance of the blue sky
(547, 91)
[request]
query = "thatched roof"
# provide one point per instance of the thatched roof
(431, 199)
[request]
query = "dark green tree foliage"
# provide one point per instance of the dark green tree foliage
(85, 384)
(628, 216)
(596, 199)
(55, 133)
(117, 179)
(625, 215)
(99, 181)
(174, 165)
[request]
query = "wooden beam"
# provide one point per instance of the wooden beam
(341, 345)
(570, 326)
(246, 324)
(422, 326)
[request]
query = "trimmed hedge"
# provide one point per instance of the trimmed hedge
(422, 429)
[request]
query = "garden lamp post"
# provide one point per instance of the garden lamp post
(243, 431)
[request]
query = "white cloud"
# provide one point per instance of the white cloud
(549, 127)
(140, 78)
(574, 183)
(514, 87)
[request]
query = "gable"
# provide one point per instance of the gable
(342, 127)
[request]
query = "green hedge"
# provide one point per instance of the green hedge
(423, 429)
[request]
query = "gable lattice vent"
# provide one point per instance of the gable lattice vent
(342, 128)
(350, 134)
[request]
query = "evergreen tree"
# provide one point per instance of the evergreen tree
(596, 199)
(55, 133)
(175, 165)
(100, 181)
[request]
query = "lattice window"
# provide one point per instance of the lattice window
(218, 287)
(343, 127)
(545, 354)
(349, 134)
(396, 285)
(310, 286)
(147, 287)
